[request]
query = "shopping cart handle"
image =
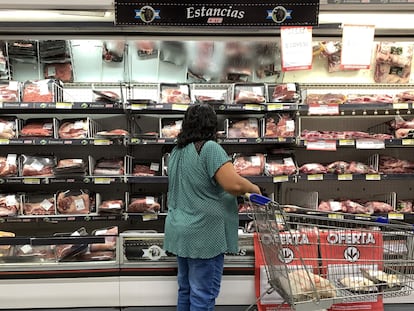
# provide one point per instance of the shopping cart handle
(257, 198)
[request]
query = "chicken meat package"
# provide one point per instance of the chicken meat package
(38, 128)
(42, 91)
(249, 165)
(8, 127)
(144, 204)
(9, 204)
(37, 165)
(72, 202)
(243, 128)
(393, 62)
(9, 165)
(38, 204)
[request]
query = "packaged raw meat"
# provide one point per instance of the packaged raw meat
(279, 125)
(170, 128)
(312, 168)
(42, 91)
(8, 165)
(106, 96)
(175, 94)
(114, 206)
(38, 204)
(110, 234)
(244, 128)
(37, 128)
(67, 167)
(393, 165)
(115, 133)
(74, 129)
(9, 204)
(40, 165)
(66, 252)
(5, 250)
(393, 62)
(59, 71)
(113, 51)
(324, 99)
(10, 91)
(284, 93)
(280, 166)
(72, 202)
(404, 206)
(146, 48)
(8, 127)
(369, 99)
(113, 166)
(249, 94)
(144, 204)
(146, 169)
(35, 253)
(249, 165)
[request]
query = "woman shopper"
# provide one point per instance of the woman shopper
(202, 219)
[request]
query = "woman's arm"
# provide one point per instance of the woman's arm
(232, 182)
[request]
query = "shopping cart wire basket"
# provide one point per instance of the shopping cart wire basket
(316, 259)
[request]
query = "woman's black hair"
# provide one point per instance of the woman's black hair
(199, 123)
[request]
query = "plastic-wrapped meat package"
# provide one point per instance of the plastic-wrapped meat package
(41, 166)
(247, 128)
(39, 205)
(280, 125)
(106, 96)
(110, 239)
(313, 168)
(109, 167)
(37, 128)
(8, 165)
(113, 51)
(114, 206)
(393, 62)
(285, 93)
(249, 165)
(175, 95)
(144, 204)
(146, 170)
(74, 202)
(65, 252)
(45, 91)
(9, 204)
(5, 250)
(284, 166)
(75, 129)
(70, 167)
(325, 99)
(59, 71)
(7, 128)
(35, 252)
(171, 128)
(9, 92)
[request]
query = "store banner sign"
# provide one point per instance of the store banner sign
(357, 43)
(241, 13)
(296, 47)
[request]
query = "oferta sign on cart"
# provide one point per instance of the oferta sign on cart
(242, 13)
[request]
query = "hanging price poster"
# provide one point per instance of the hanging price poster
(296, 48)
(357, 43)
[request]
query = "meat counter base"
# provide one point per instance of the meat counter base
(124, 291)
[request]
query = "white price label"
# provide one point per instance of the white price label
(324, 145)
(323, 109)
(370, 144)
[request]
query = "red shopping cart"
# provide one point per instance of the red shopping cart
(315, 259)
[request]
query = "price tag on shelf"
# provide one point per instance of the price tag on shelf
(274, 107)
(335, 216)
(345, 177)
(369, 144)
(181, 107)
(281, 178)
(147, 217)
(396, 216)
(101, 142)
(31, 181)
(323, 145)
(329, 109)
(407, 142)
(373, 177)
(253, 107)
(400, 106)
(64, 105)
(102, 180)
(138, 106)
(346, 142)
(315, 177)
(4, 141)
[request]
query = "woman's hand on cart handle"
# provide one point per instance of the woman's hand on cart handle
(258, 198)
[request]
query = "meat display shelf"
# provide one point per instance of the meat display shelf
(61, 107)
(247, 141)
(350, 177)
(62, 142)
(356, 109)
(60, 218)
(34, 180)
(368, 143)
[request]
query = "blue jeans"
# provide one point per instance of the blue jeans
(199, 283)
